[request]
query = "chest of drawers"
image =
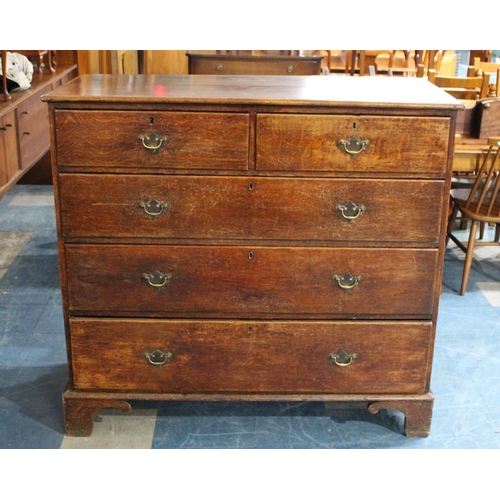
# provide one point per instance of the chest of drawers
(250, 238)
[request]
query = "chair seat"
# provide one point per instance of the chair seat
(479, 213)
(460, 196)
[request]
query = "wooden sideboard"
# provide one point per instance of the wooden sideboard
(251, 238)
(245, 64)
(24, 125)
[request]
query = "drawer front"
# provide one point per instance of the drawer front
(250, 281)
(385, 144)
(152, 139)
(255, 208)
(34, 130)
(244, 66)
(274, 357)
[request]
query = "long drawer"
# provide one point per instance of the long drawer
(345, 143)
(239, 356)
(260, 208)
(139, 139)
(248, 281)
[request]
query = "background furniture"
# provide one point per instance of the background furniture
(469, 154)
(478, 201)
(392, 62)
(467, 87)
(493, 69)
(251, 64)
(361, 60)
(41, 59)
(34, 55)
(176, 61)
(24, 125)
(6, 95)
(254, 241)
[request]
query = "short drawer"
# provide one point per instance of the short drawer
(256, 208)
(272, 357)
(250, 281)
(177, 140)
(344, 143)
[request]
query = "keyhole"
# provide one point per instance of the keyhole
(151, 121)
(249, 329)
(354, 125)
(251, 186)
(250, 255)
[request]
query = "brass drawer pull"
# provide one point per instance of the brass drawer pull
(350, 211)
(219, 67)
(152, 141)
(342, 358)
(153, 207)
(353, 146)
(347, 281)
(290, 69)
(159, 358)
(157, 278)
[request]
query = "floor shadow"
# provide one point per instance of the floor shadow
(392, 420)
(40, 398)
(33, 271)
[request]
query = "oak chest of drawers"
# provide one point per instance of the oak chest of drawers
(251, 238)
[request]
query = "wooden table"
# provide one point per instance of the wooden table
(469, 153)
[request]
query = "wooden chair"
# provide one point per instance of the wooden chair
(431, 59)
(355, 59)
(365, 60)
(493, 69)
(397, 62)
(480, 202)
(466, 87)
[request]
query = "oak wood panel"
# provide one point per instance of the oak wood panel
(242, 208)
(311, 142)
(194, 140)
(249, 281)
(225, 356)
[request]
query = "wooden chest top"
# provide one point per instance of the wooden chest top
(275, 90)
